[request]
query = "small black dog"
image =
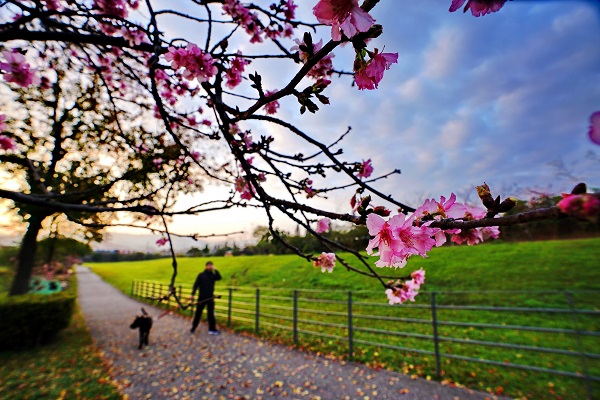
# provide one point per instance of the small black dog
(144, 324)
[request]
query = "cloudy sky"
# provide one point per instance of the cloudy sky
(503, 99)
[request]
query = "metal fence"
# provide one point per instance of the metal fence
(438, 326)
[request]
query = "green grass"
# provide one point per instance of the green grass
(553, 265)
(70, 367)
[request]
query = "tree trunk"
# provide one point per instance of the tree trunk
(27, 252)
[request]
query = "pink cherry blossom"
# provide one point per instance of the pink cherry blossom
(289, 9)
(432, 209)
(326, 261)
(584, 206)
(248, 20)
(418, 276)
(594, 131)
(369, 76)
(397, 239)
(162, 241)
(195, 63)
(234, 74)
(135, 37)
(271, 107)
(366, 169)
(113, 8)
(7, 143)
(157, 161)
(17, 70)
(344, 16)
(244, 188)
(478, 7)
(323, 225)
(54, 5)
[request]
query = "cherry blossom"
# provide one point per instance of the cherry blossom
(584, 206)
(434, 210)
(195, 63)
(7, 143)
(162, 241)
(271, 107)
(326, 261)
(594, 131)
(369, 75)
(478, 7)
(323, 225)
(344, 16)
(418, 276)
(233, 75)
(2, 123)
(115, 8)
(135, 37)
(17, 70)
(397, 239)
(244, 188)
(245, 18)
(366, 169)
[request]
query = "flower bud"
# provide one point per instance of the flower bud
(485, 195)
(382, 211)
(507, 204)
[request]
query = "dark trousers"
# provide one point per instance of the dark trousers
(210, 314)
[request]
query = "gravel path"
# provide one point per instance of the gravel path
(181, 365)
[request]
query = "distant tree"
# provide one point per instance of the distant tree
(74, 149)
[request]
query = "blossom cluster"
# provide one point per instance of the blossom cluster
(584, 206)
(252, 25)
(399, 291)
(17, 70)
(326, 261)
(196, 64)
(401, 236)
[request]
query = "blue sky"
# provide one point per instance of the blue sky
(505, 98)
(497, 98)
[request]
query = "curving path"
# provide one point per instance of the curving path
(180, 365)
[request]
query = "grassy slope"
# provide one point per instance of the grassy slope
(553, 265)
(556, 265)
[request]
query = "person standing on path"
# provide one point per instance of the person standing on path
(205, 284)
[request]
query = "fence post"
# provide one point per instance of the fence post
(350, 328)
(256, 326)
(295, 317)
(229, 307)
(580, 348)
(436, 343)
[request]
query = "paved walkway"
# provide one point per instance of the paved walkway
(180, 365)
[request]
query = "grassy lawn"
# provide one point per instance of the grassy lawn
(553, 265)
(69, 367)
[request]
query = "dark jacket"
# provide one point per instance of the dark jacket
(205, 283)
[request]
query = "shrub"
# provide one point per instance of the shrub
(33, 319)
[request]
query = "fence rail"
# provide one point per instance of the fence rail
(355, 318)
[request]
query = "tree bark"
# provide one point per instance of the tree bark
(27, 252)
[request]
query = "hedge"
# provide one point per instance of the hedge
(33, 319)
